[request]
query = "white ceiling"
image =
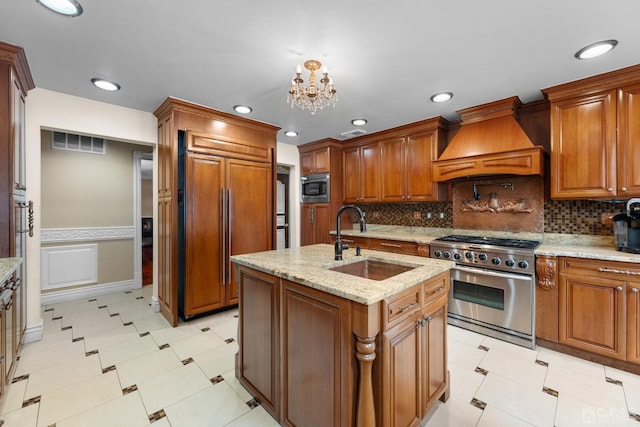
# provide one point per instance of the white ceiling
(386, 58)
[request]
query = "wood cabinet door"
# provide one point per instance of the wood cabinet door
(205, 265)
(321, 161)
(583, 141)
(306, 163)
(593, 314)
(401, 365)
(421, 150)
(259, 337)
(322, 223)
(629, 142)
(18, 131)
(633, 322)
(250, 218)
(351, 175)
(306, 224)
(434, 354)
(370, 172)
(393, 177)
(316, 357)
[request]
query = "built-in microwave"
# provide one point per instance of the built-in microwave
(315, 188)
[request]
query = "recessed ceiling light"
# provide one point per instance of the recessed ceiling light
(63, 7)
(291, 133)
(105, 84)
(359, 122)
(242, 109)
(596, 49)
(441, 97)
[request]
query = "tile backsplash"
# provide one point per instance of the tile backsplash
(560, 216)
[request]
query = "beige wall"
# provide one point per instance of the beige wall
(146, 200)
(87, 190)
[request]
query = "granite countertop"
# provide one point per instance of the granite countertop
(7, 267)
(572, 245)
(308, 265)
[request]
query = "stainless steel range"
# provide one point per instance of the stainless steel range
(492, 285)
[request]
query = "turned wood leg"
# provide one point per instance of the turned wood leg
(365, 410)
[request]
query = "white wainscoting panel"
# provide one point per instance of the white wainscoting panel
(64, 266)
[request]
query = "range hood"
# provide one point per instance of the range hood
(490, 142)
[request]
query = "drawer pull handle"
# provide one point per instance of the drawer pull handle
(616, 271)
(347, 240)
(440, 289)
(408, 307)
(392, 245)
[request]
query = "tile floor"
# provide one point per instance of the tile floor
(111, 361)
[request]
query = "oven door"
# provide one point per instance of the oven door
(492, 299)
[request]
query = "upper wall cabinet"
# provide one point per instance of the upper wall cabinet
(395, 165)
(316, 161)
(595, 136)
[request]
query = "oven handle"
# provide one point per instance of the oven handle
(501, 275)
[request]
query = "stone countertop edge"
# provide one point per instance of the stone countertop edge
(7, 267)
(552, 244)
(308, 265)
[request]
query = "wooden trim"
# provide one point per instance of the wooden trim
(594, 84)
(15, 56)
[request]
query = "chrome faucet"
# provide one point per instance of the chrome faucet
(339, 246)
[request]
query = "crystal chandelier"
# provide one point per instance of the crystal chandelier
(315, 96)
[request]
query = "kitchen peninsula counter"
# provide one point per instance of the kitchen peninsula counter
(324, 348)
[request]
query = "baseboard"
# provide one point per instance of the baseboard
(86, 292)
(33, 333)
(155, 305)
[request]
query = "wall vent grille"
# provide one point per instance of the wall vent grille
(73, 142)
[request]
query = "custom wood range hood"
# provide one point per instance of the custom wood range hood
(489, 142)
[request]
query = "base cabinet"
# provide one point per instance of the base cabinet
(316, 359)
(315, 223)
(598, 307)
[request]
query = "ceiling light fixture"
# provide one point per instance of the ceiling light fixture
(441, 97)
(242, 109)
(596, 49)
(291, 133)
(105, 84)
(359, 122)
(63, 7)
(314, 96)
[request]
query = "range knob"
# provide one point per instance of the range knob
(496, 261)
(457, 256)
(447, 254)
(510, 263)
(468, 255)
(523, 264)
(483, 257)
(437, 253)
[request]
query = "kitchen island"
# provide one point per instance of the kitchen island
(320, 347)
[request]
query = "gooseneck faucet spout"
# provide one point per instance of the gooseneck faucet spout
(339, 246)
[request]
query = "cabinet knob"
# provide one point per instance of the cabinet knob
(619, 288)
(634, 290)
(422, 322)
(624, 189)
(429, 319)
(610, 189)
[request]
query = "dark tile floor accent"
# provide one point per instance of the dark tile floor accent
(157, 416)
(550, 391)
(478, 403)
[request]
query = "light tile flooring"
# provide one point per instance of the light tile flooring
(111, 361)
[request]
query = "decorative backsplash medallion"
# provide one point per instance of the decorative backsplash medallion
(500, 204)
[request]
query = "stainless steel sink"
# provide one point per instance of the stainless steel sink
(373, 269)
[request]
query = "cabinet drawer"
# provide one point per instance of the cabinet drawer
(395, 246)
(402, 306)
(617, 270)
(436, 289)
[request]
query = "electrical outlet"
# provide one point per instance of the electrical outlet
(441, 215)
(428, 215)
(607, 218)
(417, 215)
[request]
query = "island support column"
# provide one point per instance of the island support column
(366, 326)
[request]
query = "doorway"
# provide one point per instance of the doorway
(282, 207)
(144, 214)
